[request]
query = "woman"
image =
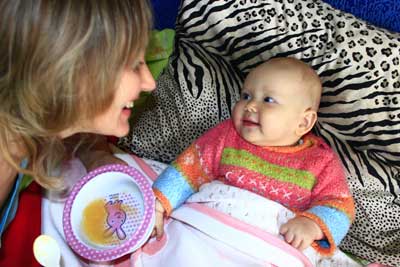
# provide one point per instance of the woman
(66, 67)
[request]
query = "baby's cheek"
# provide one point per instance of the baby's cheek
(237, 116)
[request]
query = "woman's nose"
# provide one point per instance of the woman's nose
(147, 81)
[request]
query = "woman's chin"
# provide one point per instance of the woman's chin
(120, 130)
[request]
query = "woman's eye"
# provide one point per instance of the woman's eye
(137, 66)
(269, 100)
(245, 96)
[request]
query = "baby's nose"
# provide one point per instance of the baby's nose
(251, 107)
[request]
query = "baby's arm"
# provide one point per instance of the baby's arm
(171, 189)
(192, 168)
(184, 176)
(176, 184)
(300, 232)
(331, 207)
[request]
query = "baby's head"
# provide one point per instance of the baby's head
(278, 104)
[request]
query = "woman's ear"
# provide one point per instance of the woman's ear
(307, 121)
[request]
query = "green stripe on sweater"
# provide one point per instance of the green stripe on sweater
(242, 158)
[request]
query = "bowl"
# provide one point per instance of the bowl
(109, 213)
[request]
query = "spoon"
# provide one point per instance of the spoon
(47, 251)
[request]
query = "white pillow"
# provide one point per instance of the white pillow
(218, 42)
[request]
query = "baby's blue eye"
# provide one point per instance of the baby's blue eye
(245, 96)
(269, 100)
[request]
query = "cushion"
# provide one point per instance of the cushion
(218, 42)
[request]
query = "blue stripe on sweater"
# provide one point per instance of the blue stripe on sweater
(173, 186)
(337, 222)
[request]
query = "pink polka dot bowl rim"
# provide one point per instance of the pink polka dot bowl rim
(114, 183)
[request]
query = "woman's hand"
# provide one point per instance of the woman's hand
(300, 232)
(97, 154)
(97, 158)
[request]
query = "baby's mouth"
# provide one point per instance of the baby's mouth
(250, 123)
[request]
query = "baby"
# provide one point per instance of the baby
(267, 148)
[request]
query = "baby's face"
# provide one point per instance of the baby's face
(271, 106)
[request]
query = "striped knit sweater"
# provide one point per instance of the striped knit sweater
(308, 178)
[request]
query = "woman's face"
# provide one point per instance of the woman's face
(114, 121)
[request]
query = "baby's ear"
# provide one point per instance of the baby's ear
(307, 121)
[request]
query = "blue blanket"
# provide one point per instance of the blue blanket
(165, 12)
(382, 13)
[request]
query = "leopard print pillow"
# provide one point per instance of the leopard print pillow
(218, 42)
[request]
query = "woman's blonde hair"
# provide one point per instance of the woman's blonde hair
(60, 62)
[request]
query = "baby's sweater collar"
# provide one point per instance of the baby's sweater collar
(308, 140)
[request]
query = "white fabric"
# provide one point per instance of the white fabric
(52, 209)
(220, 226)
(205, 231)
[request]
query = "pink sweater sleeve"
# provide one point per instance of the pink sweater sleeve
(196, 165)
(332, 206)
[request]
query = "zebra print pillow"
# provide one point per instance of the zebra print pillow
(218, 42)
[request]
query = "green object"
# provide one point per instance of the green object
(26, 181)
(161, 45)
(361, 261)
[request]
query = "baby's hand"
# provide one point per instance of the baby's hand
(159, 224)
(300, 232)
